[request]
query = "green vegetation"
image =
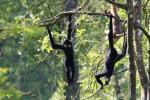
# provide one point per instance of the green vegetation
(31, 70)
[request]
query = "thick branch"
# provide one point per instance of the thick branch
(119, 5)
(60, 15)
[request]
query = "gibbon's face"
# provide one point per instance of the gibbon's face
(67, 44)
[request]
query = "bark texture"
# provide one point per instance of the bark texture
(139, 54)
(131, 51)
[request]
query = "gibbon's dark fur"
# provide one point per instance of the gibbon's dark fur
(112, 57)
(67, 47)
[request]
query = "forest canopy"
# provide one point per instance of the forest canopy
(31, 69)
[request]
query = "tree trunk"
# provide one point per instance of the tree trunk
(131, 51)
(72, 91)
(117, 26)
(1, 49)
(149, 64)
(139, 54)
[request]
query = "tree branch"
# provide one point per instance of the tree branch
(4, 29)
(145, 4)
(60, 15)
(29, 93)
(143, 30)
(86, 2)
(119, 5)
(123, 70)
(2, 58)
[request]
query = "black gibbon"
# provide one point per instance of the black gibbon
(112, 57)
(67, 47)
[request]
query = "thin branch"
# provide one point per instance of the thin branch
(123, 70)
(29, 93)
(88, 49)
(2, 58)
(95, 93)
(3, 29)
(143, 30)
(145, 4)
(63, 14)
(82, 5)
(119, 5)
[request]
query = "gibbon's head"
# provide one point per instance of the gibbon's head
(67, 43)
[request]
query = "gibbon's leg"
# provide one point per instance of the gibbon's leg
(67, 69)
(99, 75)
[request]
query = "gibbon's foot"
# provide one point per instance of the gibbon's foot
(71, 83)
(101, 87)
(68, 83)
(106, 82)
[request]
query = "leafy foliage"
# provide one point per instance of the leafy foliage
(31, 70)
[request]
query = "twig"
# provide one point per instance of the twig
(119, 5)
(99, 90)
(3, 29)
(29, 93)
(88, 49)
(2, 58)
(123, 70)
(82, 5)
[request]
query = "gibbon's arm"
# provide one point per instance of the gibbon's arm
(70, 27)
(54, 46)
(110, 35)
(124, 49)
